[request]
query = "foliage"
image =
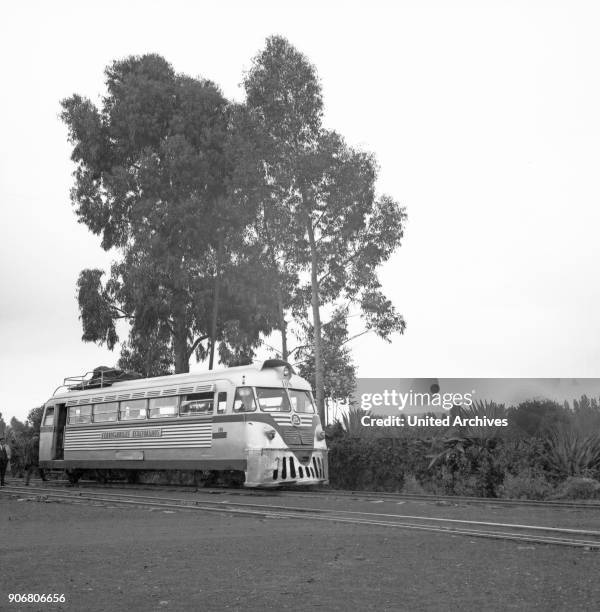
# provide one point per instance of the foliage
(150, 354)
(34, 418)
(161, 175)
(339, 371)
(341, 233)
(356, 463)
(523, 455)
(585, 414)
(572, 453)
(18, 434)
(479, 434)
(536, 417)
(220, 212)
(467, 460)
(351, 423)
(578, 488)
(526, 485)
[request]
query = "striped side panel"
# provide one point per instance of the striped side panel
(184, 435)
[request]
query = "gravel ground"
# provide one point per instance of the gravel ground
(109, 558)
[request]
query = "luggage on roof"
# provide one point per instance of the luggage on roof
(102, 376)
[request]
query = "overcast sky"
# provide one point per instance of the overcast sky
(484, 119)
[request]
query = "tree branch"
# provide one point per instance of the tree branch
(123, 315)
(343, 264)
(362, 333)
(298, 348)
(195, 344)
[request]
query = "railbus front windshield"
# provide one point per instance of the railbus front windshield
(282, 400)
(301, 401)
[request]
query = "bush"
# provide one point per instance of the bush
(528, 485)
(578, 488)
(376, 464)
(412, 485)
(573, 453)
(469, 461)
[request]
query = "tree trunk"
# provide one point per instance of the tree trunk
(180, 336)
(280, 310)
(282, 325)
(182, 362)
(314, 282)
(215, 311)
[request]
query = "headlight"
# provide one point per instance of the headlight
(321, 435)
(287, 372)
(270, 433)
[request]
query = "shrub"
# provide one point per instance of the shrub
(370, 464)
(528, 485)
(467, 466)
(578, 488)
(572, 453)
(412, 485)
(536, 417)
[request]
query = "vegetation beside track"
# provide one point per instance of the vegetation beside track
(548, 451)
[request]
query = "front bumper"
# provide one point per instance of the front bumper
(272, 467)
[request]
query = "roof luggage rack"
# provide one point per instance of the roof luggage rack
(98, 378)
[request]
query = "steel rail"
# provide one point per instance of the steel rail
(327, 515)
(594, 505)
(585, 505)
(330, 510)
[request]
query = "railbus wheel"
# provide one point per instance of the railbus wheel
(133, 476)
(101, 476)
(73, 476)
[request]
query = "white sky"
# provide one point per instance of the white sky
(483, 116)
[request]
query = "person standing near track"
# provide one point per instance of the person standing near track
(32, 458)
(4, 459)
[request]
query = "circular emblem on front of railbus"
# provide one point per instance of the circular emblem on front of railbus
(296, 420)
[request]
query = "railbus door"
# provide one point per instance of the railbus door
(59, 431)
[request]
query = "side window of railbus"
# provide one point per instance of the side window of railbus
(301, 401)
(80, 414)
(49, 416)
(106, 412)
(222, 401)
(196, 403)
(161, 407)
(244, 400)
(132, 410)
(272, 400)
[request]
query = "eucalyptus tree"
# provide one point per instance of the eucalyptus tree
(155, 177)
(339, 378)
(340, 231)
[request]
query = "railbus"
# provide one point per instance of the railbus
(254, 425)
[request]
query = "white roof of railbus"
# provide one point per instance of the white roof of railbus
(255, 375)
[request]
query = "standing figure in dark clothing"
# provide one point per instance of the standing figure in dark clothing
(4, 459)
(32, 458)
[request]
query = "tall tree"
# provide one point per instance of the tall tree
(339, 377)
(155, 178)
(340, 231)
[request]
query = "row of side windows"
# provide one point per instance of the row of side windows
(160, 407)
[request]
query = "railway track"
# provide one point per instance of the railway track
(531, 534)
(368, 495)
(455, 499)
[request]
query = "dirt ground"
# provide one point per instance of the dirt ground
(110, 558)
